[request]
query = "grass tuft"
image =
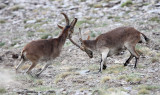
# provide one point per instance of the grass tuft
(143, 91)
(105, 79)
(155, 59)
(62, 76)
(155, 19)
(2, 21)
(132, 78)
(127, 3)
(2, 44)
(16, 8)
(115, 69)
(2, 90)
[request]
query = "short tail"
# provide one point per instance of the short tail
(145, 37)
(22, 55)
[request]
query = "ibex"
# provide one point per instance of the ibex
(46, 49)
(113, 42)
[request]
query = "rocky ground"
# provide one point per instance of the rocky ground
(73, 73)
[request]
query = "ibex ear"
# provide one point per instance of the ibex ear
(88, 38)
(59, 26)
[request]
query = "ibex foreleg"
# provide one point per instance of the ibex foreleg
(103, 62)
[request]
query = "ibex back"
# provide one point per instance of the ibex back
(113, 42)
(46, 49)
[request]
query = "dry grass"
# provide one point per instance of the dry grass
(16, 8)
(42, 88)
(62, 76)
(145, 89)
(39, 82)
(155, 59)
(115, 69)
(105, 79)
(2, 90)
(133, 78)
(143, 50)
(25, 66)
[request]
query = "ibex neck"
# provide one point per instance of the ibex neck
(63, 36)
(90, 44)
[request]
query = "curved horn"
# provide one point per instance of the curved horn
(66, 17)
(77, 44)
(80, 35)
(73, 22)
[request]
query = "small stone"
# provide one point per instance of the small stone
(2, 6)
(31, 21)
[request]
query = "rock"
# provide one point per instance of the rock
(64, 61)
(157, 5)
(83, 72)
(31, 21)
(112, 3)
(128, 88)
(2, 6)
(0, 58)
(157, 47)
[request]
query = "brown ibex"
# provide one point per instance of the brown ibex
(113, 42)
(46, 49)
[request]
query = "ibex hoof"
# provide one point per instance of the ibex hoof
(37, 75)
(135, 67)
(125, 64)
(104, 67)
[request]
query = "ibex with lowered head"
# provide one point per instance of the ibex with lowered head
(46, 49)
(113, 42)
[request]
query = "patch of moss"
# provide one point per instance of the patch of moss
(79, 23)
(116, 18)
(30, 34)
(98, 6)
(156, 19)
(16, 8)
(2, 44)
(127, 3)
(2, 90)
(93, 34)
(45, 36)
(2, 21)
(42, 88)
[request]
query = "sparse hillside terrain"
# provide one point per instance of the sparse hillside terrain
(73, 72)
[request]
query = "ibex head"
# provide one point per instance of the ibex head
(82, 47)
(71, 26)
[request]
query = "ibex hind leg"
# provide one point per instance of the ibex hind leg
(128, 60)
(133, 52)
(44, 68)
(31, 67)
(20, 64)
